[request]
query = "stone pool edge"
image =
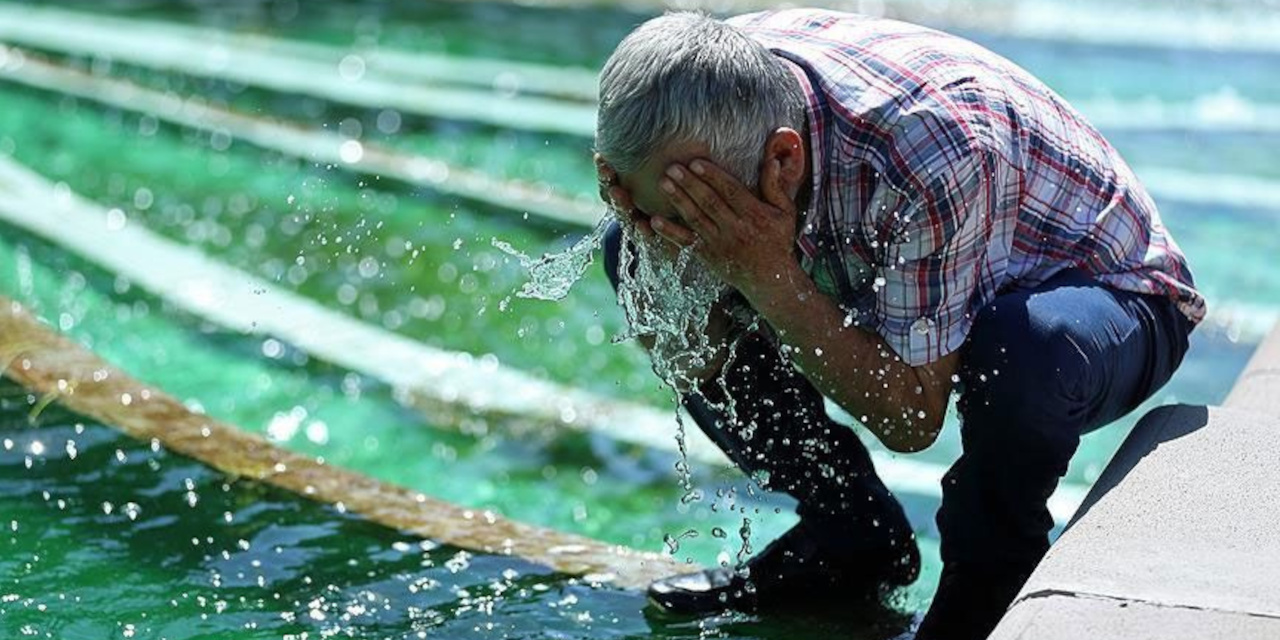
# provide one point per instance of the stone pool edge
(1178, 536)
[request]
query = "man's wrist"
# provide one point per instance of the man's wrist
(772, 294)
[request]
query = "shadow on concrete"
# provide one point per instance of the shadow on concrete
(1160, 425)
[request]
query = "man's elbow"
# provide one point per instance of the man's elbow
(915, 436)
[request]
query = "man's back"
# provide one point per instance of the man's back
(936, 160)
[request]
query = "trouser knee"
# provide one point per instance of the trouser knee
(1024, 388)
(1023, 406)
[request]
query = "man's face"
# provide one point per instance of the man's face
(642, 185)
(667, 297)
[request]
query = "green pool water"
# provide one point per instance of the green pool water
(61, 475)
(421, 264)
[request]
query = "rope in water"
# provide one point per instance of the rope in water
(49, 364)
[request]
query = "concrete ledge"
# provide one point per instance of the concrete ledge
(1073, 616)
(1190, 532)
(1258, 387)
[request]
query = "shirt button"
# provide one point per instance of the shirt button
(922, 325)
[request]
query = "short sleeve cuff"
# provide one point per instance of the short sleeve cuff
(924, 340)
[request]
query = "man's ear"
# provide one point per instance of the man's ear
(787, 146)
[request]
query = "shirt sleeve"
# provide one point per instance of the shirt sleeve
(935, 235)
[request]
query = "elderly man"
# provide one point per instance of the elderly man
(894, 214)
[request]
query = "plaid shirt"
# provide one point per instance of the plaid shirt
(945, 175)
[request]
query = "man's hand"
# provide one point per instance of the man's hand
(747, 242)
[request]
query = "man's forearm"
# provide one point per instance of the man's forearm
(748, 240)
(853, 367)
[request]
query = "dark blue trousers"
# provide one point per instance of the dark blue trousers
(1040, 368)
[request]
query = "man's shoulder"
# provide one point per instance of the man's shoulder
(818, 25)
(793, 16)
(866, 65)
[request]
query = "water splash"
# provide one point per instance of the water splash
(682, 461)
(668, 300)
(744, 532)
(552, 276)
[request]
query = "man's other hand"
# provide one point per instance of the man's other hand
(619, 201)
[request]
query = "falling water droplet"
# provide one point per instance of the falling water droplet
(672, 542)
(744, 532)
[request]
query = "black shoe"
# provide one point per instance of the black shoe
(704, 592)
(970, 601)
(790, 571)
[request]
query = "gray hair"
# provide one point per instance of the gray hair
(686, 77)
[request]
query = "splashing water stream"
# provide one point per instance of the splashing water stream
(554, 274)
(668, 301)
